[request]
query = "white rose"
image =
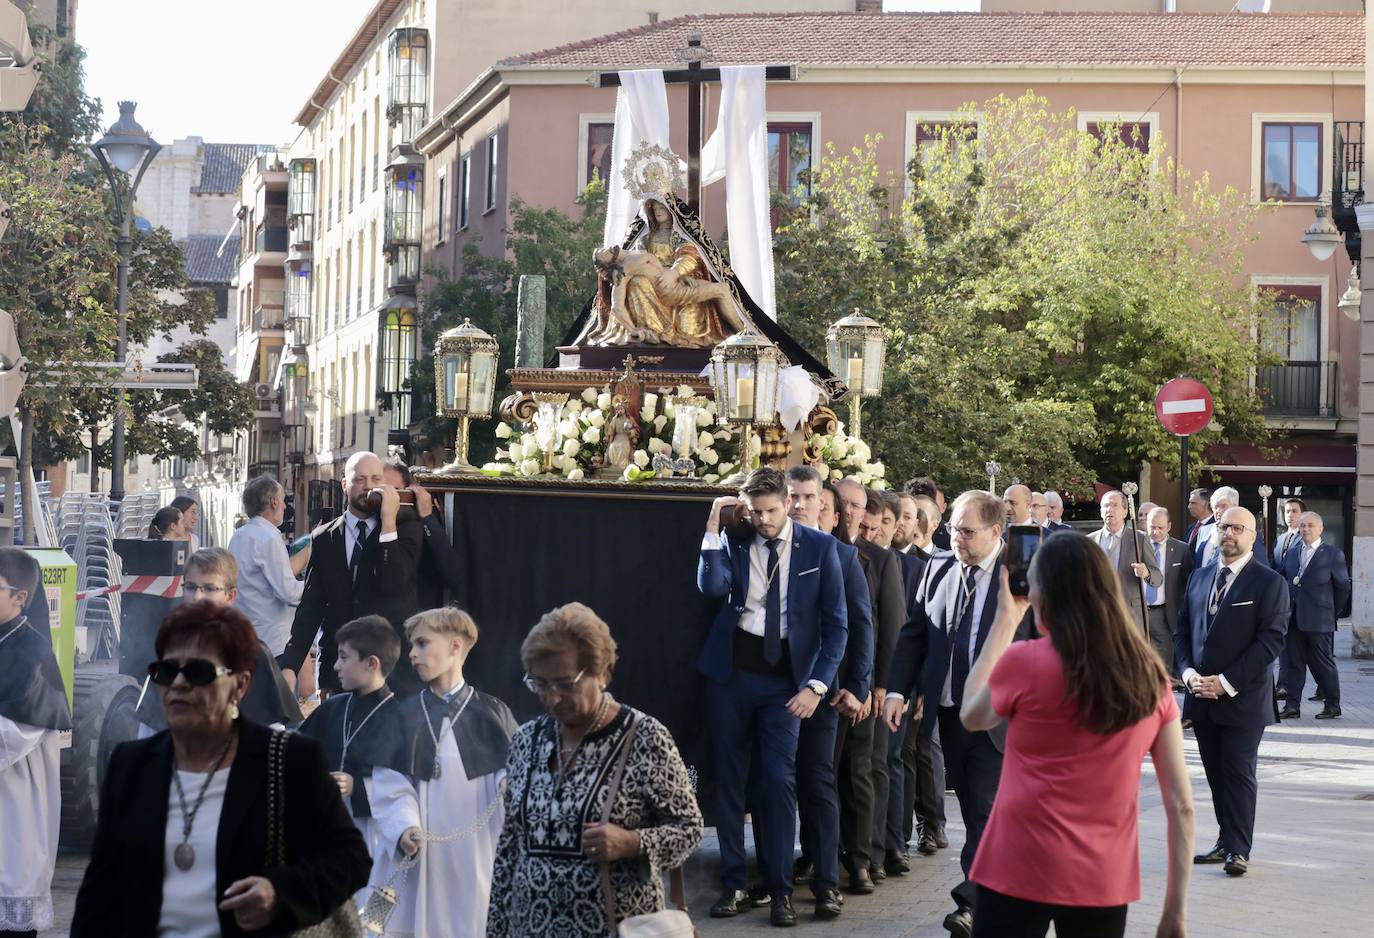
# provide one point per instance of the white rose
(596, 419)
(502, 454)
(711, 407)
(711, 477)
(571, 448)
(641, 458)
(725, 468)
(647, 414)
(589, 395)
(862, 449)
(567, 428)
(684, 390)
(574, 407)
(591, 435)
(574, 475)
(529, 467)
(503, 431)
(530, 449)
(660, 422)
(557, 460)
(705, 440)
(723, 434)
(839, 448)
(603, 400)
(654, 445)
(877, 469)
(710, 457)
(836, 475)
(704, 418)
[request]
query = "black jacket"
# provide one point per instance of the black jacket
(121, 894)
(440, 565)
(888, 601)
(386, 586)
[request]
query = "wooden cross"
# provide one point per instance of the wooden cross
(693, 76)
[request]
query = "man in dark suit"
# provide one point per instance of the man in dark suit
(1226, 639)
(1200, 511)
(1319, 585)
(1176, 561)
(1205, 550)
(365, 562)
(770, 659)
(1133, 563)
(1054, 513)
(1291, 537)
(935, 653)
(925, 485)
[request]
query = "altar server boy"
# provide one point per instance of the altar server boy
(354, 726)
(33, 710)
(438, 793)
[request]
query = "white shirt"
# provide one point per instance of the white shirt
(188, 896)
(1235, 567)
(981, 588)
(1161, 552)
(268, 591)
(1308, 550)
(753, 618)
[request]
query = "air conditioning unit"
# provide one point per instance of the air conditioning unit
(263, 391)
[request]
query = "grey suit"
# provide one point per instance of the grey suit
(1163, 612)
(1130, 590)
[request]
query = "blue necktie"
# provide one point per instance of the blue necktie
(963, 634)
(772, 610)
(1152, 592)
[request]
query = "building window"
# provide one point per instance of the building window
(221, 295)
(1292, 329)
(599, 152)
(403, 219)
(409, 61)
(464, 189)
(1291, 162)
(1134, 134)
(935, 140)
(441, 209)
(789, 164)
(490, 202)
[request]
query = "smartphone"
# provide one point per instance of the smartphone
(1022, 541)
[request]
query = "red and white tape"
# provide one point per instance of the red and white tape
(168, 587)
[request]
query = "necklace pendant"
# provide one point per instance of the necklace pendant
(184, 856)
(437, 770)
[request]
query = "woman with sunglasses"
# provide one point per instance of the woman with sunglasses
(561, 837)
(182, 844)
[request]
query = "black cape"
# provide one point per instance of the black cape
(31, 689)
(483, 734)
(269, 699)
(326, 725)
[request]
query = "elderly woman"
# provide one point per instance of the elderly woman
(186, 817)
(547, 879)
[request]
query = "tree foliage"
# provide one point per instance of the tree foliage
(1038, 286)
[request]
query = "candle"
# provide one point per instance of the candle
(460, 391)
(744, 399)
(856, 374)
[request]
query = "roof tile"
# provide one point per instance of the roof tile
(222, 171)
(206, 263)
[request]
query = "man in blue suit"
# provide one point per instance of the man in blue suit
(935, 653)
(1208, 540)
(770, 658)
(1319, 585)
(1228, 635)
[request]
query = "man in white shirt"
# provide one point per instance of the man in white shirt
(268, 589)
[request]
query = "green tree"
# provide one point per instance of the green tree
(1037, 286)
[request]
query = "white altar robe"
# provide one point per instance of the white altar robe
(30, 809)
(445, 895)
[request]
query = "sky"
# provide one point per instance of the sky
(192, 64)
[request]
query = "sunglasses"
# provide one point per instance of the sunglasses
(198, 672)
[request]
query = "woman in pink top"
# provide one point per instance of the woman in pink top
(1083, 706)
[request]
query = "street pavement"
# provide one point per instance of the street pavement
(1310, 871)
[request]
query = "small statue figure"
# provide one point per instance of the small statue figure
(621, 437)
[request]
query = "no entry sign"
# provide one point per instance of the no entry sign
(1183, 406)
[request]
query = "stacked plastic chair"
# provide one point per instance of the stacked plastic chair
(86, 532)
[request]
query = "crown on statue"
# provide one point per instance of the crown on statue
(653, 170)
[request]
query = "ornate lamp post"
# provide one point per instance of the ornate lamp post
(856, 347)
(126, 149)
(744, 376)
(465, 382)
(1322, 237)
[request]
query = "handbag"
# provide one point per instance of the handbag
(343, 922)
(666, 923)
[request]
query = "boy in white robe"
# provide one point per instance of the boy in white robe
(442, 779)
(33, 710)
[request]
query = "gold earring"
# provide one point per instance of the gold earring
(233, 711)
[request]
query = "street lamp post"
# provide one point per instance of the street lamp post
(126, 148)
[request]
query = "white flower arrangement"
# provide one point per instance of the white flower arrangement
(846, 457)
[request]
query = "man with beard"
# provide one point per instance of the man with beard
(365, 562)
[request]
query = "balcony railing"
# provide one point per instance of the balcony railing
(1298, 389)
(268, 317)
(270, 239)
(298, 331)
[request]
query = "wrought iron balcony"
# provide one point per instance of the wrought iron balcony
(270, 239)
(1298, 389)
(298, 331)
(1347, 182)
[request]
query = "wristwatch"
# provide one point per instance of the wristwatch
(817, 687)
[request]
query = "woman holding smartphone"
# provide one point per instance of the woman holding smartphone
(1083, 705)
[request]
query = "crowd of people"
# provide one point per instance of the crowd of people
(864, 654)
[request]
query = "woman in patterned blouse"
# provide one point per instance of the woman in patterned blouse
(547, 876)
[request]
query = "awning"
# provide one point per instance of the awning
(244, 367)
(1294, 464)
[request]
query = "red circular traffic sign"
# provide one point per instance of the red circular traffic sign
(1183, 406)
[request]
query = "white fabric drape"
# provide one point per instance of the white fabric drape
(641, 116)
(739, 150)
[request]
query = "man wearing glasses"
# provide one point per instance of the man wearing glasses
(1229, 631)
(211, 575)
(955, 607)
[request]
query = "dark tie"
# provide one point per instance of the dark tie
(772, 610)
(963, 634)
(1218, 590)
(359, 545)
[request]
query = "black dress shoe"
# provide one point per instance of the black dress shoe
(1281, 693)
(1236, 865)
(1290, 713)
(1216, 855)
(782, 915)
(828, 904)
(758, 896)
(802, 871)
(731, 903)
(877, 873)
(927, 845)
(941, 840)
(860, 883)
(1317, 697)
(1329, 713)
(895, 864)
(959, 923)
